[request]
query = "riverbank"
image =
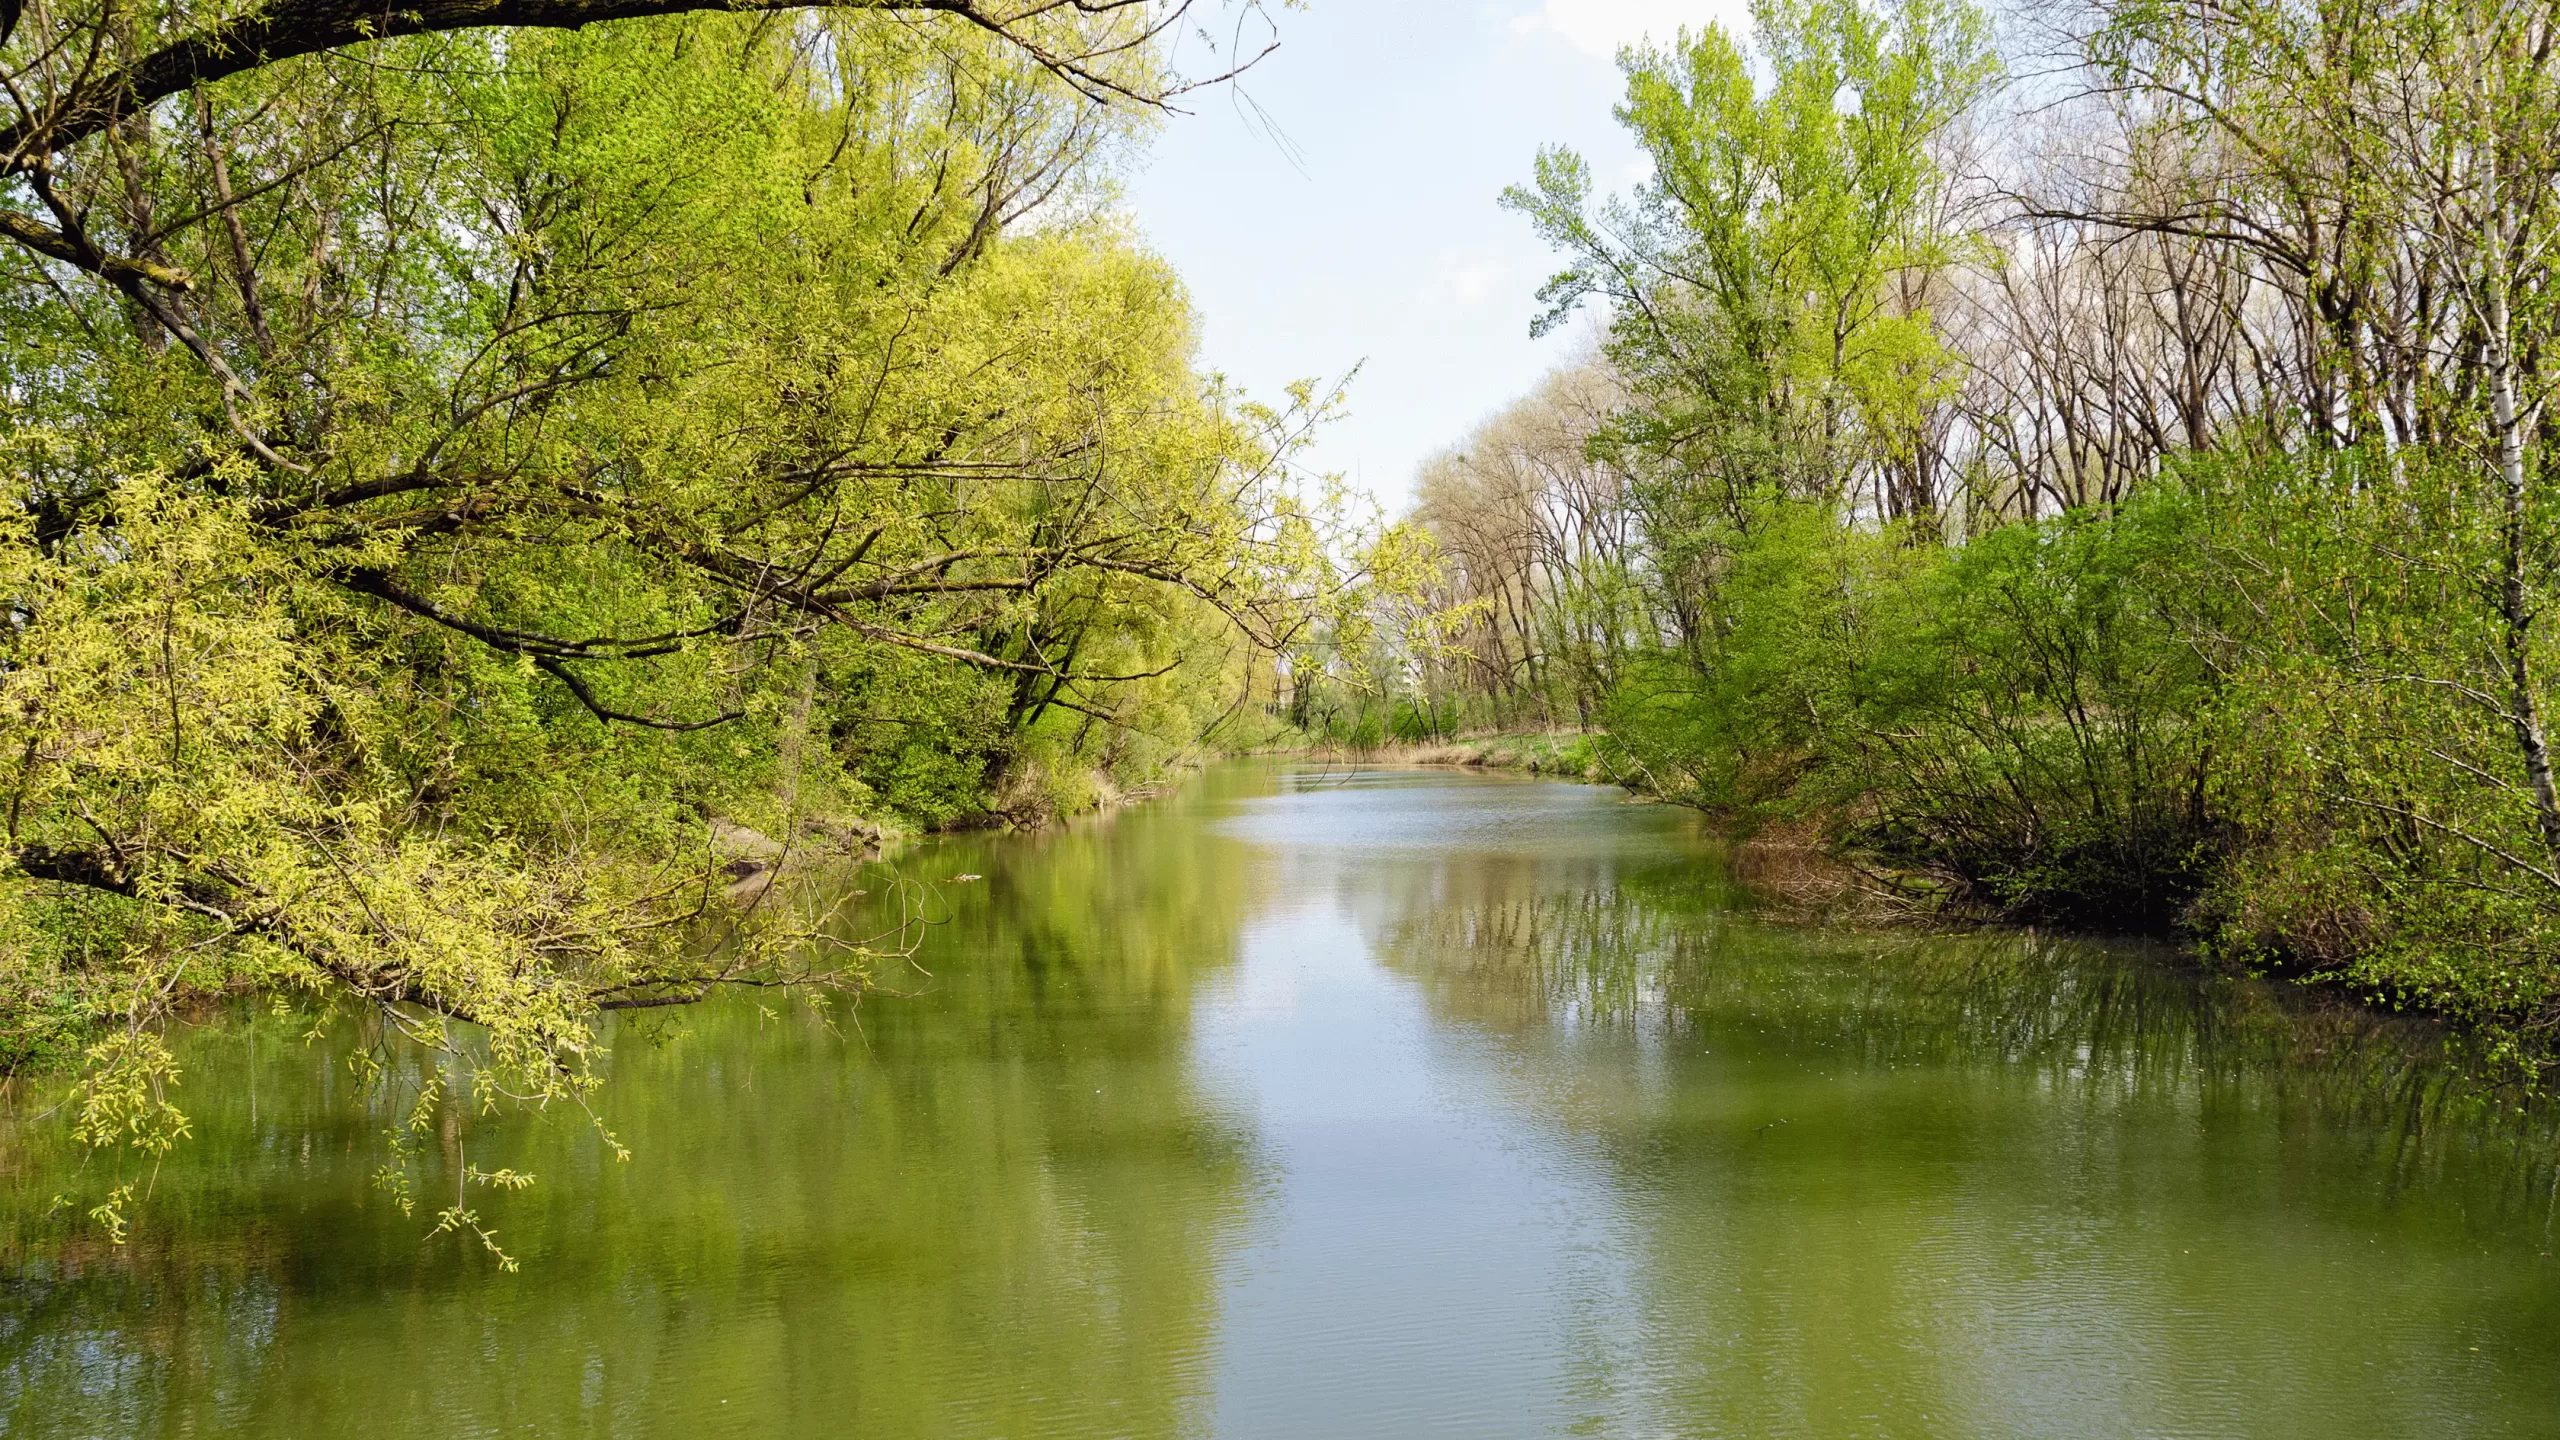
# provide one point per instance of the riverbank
(1567, 754)
(1790, 866)
(1800, 870)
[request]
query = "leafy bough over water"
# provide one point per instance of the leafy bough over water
(442, 468)
(1094, 959)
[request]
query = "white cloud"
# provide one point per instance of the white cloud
(1601, 26)
(1464, 279)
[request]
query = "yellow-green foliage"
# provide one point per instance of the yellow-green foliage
(581, 436)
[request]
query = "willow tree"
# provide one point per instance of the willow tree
(447, 464)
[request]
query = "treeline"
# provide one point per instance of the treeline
(450, 469)
(2107, 487)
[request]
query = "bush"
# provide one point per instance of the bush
(2022, 715)
(2031, 720)
(2385, 828)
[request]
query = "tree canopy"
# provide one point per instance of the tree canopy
(458, 456)
(2119, 497)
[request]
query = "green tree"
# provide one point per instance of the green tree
(449, 466)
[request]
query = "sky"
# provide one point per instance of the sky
(1341, 208)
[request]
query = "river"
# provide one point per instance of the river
(1319, 1102)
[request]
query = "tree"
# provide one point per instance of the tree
(1768, 286)
(449, 464)
(2179, 554)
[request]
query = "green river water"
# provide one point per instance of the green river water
(1342, 1103)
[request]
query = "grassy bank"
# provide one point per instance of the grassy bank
(1571, 755)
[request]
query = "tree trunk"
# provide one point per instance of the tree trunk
(2514, 605)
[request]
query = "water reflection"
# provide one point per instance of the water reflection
(1978, 1185)
(1356, 1103)
(995, 1208)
